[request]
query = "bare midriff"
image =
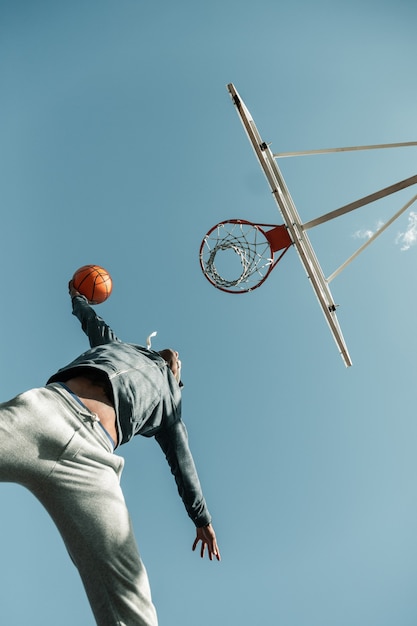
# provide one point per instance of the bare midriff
(96, 400)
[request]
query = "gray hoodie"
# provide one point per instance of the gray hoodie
(147, 400)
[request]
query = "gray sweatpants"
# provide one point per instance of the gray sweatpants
(51, 444)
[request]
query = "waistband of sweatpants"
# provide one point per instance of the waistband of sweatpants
(75, 403)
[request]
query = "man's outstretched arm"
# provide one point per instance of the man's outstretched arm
(174, 443)
(96, 329)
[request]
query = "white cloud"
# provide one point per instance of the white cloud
(363, 234)
(409, 237)
(367, 233)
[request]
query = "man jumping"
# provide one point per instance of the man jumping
(58, 441)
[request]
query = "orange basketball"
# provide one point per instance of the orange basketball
(93, 282)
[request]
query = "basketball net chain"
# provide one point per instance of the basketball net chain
(246, 244)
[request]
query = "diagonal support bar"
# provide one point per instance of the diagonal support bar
(403, 144)
(403, 184)
(372, 239)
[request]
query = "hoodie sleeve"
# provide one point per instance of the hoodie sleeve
(174, 443)
(96, 329)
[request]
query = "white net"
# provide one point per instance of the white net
(236, 256)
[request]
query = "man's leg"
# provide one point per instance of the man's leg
(68, 465)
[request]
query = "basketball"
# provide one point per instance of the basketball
(93, 282)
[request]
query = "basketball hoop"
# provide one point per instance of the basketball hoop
(252, 248)
(237, 256)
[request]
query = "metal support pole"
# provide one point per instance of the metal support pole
(404, 144)
(371, 239)
(358, 203)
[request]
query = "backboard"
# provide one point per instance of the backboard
(293, 222)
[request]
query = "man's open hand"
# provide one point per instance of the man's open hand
(207, 536)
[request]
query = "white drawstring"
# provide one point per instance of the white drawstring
(148, 339)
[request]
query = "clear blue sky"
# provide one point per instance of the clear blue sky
(120, 146)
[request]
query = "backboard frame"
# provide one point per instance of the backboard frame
(293, 222)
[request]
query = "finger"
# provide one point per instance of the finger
(217, 553)
(215, 550)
